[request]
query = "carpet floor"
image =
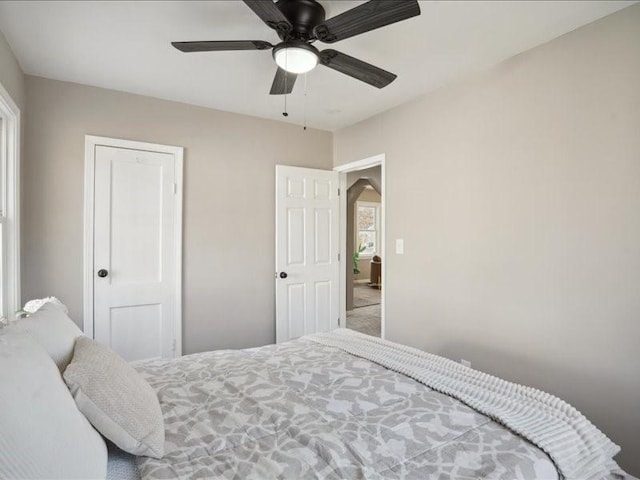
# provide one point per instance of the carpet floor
(363, 296)
(365, 320)
(365, 316)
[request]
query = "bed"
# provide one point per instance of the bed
(318, 408)
(336, 405)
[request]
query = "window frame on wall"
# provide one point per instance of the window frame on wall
(9, 206)
(376, 206)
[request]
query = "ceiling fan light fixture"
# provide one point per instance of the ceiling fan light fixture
(296, 57)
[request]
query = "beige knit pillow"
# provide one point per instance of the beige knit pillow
(117, 401)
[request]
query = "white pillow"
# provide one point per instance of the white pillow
(116, 399)
(54, 330)
(42, 433)
(32, 306)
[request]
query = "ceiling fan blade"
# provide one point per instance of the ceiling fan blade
(220, 46)
(283, 82)
(270, 14)
(357, 69)
(366, 17)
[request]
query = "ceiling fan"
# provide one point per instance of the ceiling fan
(299, 23)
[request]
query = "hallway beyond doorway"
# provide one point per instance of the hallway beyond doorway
(365, 316)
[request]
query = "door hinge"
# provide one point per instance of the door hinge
(338, 192)
(175, 188)
(174, 346)
(338, 257)
(339, 321)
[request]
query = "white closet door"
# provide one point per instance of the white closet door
(135, 252)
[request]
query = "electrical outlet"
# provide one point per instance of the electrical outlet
(466, 363)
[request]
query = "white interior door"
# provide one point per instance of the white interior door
(136, 232)
(307, 251)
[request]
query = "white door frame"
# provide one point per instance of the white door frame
(91, 142)
(10, 203)
(376, 160)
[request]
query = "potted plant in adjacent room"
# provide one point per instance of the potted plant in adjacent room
(356, 257)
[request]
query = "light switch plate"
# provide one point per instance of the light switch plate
(400, 246)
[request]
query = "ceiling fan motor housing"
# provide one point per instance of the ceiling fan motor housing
(304, 15)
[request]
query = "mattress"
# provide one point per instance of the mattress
(121, 465)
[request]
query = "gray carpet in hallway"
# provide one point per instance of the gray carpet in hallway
(365, 316)
(365, 320)
(363, 296)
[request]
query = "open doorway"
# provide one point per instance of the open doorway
(362, 210)
(364, 278)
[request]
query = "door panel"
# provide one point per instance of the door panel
(324, 304)
(135, 242)
(136, 221)
(296, 236)
(307, 251)
(323, 253)
(296, 301)
(128, 321)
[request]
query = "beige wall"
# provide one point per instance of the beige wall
(373, 174)
(369, 195)
(229, 199)
(11, 76)
(518, 195)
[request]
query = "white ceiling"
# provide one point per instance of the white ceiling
(126, 46)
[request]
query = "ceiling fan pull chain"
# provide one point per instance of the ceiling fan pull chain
(286, 78)
(305, 102)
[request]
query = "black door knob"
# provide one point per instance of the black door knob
(102, 273)
(283, 275)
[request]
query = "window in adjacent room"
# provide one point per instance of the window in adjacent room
(368, 227)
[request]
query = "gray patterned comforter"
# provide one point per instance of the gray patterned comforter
(302, 410)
